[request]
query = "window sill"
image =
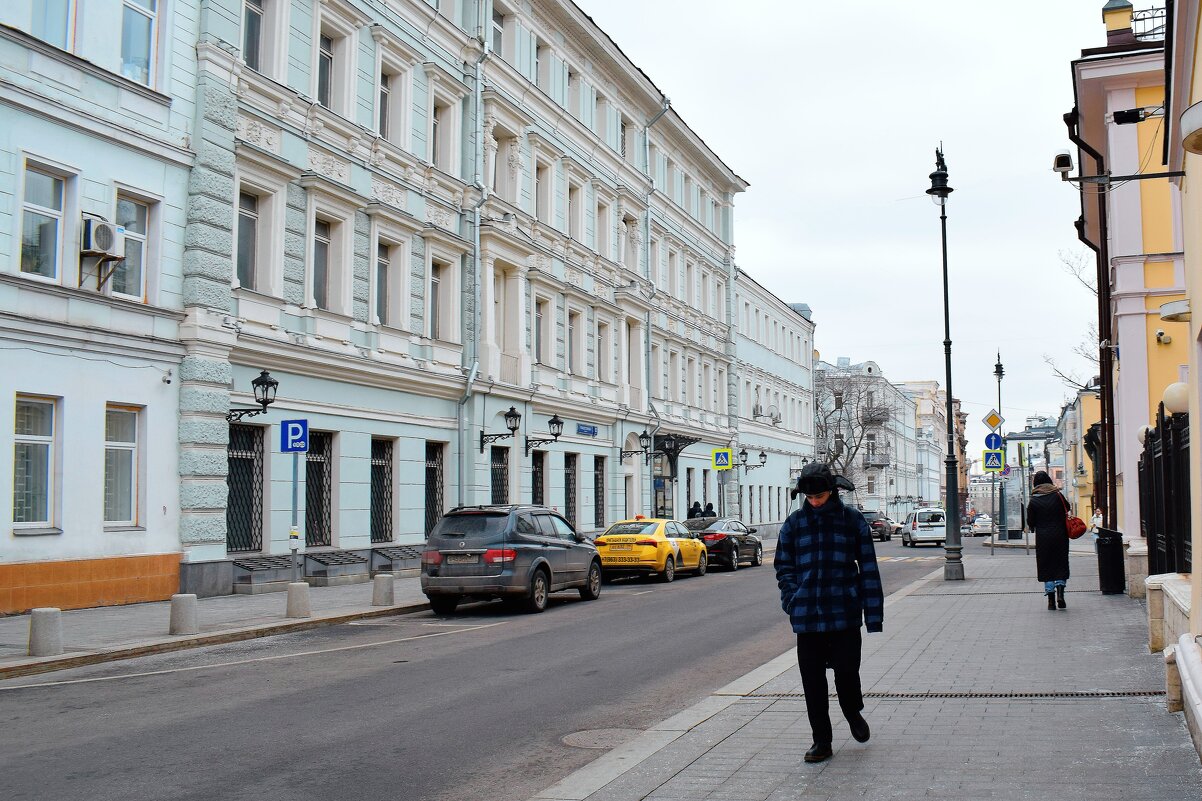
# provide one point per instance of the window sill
(46, 531)
(119, 528)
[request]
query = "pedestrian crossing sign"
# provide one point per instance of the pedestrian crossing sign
(993, 461)
(722, 458)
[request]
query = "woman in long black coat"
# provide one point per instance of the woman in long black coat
(1046, 516)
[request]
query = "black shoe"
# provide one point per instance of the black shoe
(819, 752)
(1052, 601)
(1060, 597)
(859, 728)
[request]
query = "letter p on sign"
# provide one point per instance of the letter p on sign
(294, 436)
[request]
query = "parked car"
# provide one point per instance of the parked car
(650, 545)
(982, 526)
(728, 541)
(894, 526)
(881, 530)
(520, 553)
(924, 525)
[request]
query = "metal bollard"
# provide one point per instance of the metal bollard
(184, 614)
(382, 590)
(298, 600)
(46, 631)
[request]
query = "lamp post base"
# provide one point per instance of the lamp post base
(953, 568)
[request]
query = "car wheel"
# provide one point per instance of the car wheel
(757, 558)
(443, 604)
(591, 590)
(536, 601)
(669, 571)
(702, 564)
(734, 557)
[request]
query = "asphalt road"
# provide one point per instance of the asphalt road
(472, 706)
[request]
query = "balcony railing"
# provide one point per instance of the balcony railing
(1149, 25)
(875, 415)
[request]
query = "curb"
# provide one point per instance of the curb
(52, 663)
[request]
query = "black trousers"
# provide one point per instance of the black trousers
(839, 650)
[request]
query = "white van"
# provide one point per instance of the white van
(925, 525)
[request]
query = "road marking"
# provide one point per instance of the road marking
(251, 661)
(644, 592)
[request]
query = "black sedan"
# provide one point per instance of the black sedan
(727, 541)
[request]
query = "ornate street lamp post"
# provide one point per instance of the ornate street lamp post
(953, 568)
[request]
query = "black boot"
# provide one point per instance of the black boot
(819, 752)
(1052, 601)
(1060, 597)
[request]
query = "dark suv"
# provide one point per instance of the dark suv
(520, 553)
(881, 530)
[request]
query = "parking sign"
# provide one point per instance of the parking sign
(294, 436)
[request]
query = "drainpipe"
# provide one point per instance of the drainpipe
(651, 459)
(478, 183)
(665, 104)
(1105, 334)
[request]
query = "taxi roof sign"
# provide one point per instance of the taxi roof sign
(993, 419)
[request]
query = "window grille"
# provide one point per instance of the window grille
(569, 488)
(500, 475)
(318, 480)
(244, 504)
(538, 478)
(599, 498)
(381, 490)
(434, 484)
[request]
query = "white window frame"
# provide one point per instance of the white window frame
(573, 337)
(271, 186)
(68, 28)
(150, 242)
(342, 28)
(604, 350)
(446, 253)
(541, 322)
(394, 231)
(53, 476)
(396, 61)
(273, 30)
(542, 194)
(445, 93)
(152, 13)
(136, 466)
(330, 205)
(603, 228)
(66, 259)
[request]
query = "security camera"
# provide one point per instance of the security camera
(1162, 337)
(1063, 164)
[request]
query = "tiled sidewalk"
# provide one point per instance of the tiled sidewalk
(974, 691)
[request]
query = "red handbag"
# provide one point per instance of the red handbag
(1075, 525)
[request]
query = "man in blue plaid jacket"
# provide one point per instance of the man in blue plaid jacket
(828, 578)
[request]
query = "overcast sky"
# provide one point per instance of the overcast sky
(832, 112)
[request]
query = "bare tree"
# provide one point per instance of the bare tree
(851, 414)
(1078, 266)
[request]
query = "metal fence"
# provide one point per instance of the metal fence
(318, 485)
(244, 505)
(1164, 494)
(381, 490)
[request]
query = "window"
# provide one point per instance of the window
(437, 126)
(573, 96)
(498, 32)
(121, 465)
(540, 338)
(33, 461)
(52, 21)
(435, 300)
(383, 268)
(838, 444)
(322, 233)
(129, 276)
(871, 485)
(573, 210)
(381, 490)
(137, 39)
(542, 191)
(248, 238)
(325, 69)
(443, 119)
(838, 399)
(569, 487)
(573, 343)
(604, 353)
(42, 220)
(382, 112)
(244, 497)
(434, 484)
(603, 229)
(542, 66)
(252, 33)
(319, 489)
(599, 491)
(538, 477)
(499, 468)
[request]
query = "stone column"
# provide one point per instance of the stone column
(490, 357)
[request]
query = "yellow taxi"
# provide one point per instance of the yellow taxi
(652, 545)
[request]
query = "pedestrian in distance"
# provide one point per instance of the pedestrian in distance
(1047, 515)
(695, 510)
(829, 584)
(709, 511)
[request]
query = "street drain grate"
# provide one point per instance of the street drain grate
(925, 695)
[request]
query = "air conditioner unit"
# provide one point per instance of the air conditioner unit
(102, 238)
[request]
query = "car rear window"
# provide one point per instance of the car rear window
(645, 527)
(483, 525)
(930, 517)
(704, 524)
(870, 516)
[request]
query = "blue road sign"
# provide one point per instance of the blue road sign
(294, 436)
(993, 440)
(993, 460)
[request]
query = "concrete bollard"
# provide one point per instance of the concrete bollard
(298, 600)
(382, 590)
(184, 614)
(46, 632)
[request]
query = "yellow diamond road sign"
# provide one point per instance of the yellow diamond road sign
(994, 420)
